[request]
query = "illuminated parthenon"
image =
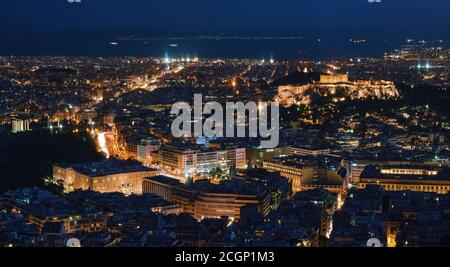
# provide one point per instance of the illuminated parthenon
(338, 87)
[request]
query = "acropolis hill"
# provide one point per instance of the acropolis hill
(336, 86)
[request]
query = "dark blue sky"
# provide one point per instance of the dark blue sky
(230, 16)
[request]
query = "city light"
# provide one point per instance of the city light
(101, 137)
(147, 124)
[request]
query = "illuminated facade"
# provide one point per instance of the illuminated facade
(292, 173)
(401, 178)
(336, 78)
(147, 150)
(354, 168)
(94, 222)
(41, 208)
(20, 126)
(205, 200)
(292, 150)
(308, 173)
(188, 161)
(332, 85)
(104, 177)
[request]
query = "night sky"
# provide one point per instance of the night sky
(229, 16)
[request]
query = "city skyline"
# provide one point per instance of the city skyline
(228, 126)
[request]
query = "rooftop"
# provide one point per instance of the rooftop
(107, 167)
(234, 186)
(371, 172)
(309, 161)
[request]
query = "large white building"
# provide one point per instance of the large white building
(105, 176)
(19, 126)
(185, 161)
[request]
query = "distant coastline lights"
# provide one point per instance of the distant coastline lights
(426, 66)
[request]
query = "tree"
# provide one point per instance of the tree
(218, 173)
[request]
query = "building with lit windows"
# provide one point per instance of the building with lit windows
(429, 179)
(309, 172)
(306, 151)
(186, 160)
(204, 200)
(104, 177)
(41, 208)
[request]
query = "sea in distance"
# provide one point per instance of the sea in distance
(267, 48)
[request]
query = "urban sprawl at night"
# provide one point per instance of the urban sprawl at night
(89, 156)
